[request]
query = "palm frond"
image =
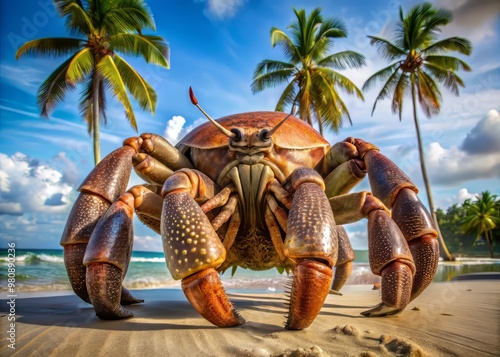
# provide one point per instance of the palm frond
(386, 48)
(340, 80)
(429, 95)
(452, 44)
(53, 89)
(290, 51)
(107, 68)
(80, 66)
(271, 80)
(327, 101)
(50, 47)
(381, 75)
(267, 66)
(448, 78)
(388, 87)
(138, 87)
(332, 28)
(434, 18)
(343, 60)
(448, 63)
(288, 97)
(152, 48)
(399, 92)
(78, 21)
(128, 15)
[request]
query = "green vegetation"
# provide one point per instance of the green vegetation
(419, 69)
(310, 71)
(472, 228)
(103, 28)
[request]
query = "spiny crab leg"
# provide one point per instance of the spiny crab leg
(193, 249)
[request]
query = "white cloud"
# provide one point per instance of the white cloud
(462, 195)
(174, 128)
(29, 186)
(451, 164)
(223, 9)
(485, 136)
(454, 166)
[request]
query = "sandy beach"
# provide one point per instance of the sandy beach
(459, 318)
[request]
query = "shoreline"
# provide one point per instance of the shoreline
(458, 318)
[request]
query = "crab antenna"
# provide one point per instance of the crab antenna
(217, 125)
(273, 130)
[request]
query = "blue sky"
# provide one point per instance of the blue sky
(214, 47)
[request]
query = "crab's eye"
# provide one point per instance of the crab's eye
(263, 135)
(237, 134)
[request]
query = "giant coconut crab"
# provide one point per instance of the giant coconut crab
(256, 190)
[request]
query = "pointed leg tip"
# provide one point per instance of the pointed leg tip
(128, 299)
(241, 320)
(335, 292)
(121, 314)
(132, 301)
(381, 310)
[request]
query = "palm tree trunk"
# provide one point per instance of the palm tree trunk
(95, 117)
(445, 254)
(489, 236)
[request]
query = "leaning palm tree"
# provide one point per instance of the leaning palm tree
(419, 68)
(102, 29)
(482, 217)
(309, 71)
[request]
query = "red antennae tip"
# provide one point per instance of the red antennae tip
(192, 97)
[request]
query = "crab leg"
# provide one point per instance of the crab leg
(101, 187)
(343, 268)
(344, 177)
(311, 242)
(193, 249)
(107, 258)
(147, 206)
(389, 254)
(397, 192)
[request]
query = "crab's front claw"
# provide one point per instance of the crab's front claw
(193, 249)
(206, 294)
(311, 241)
(311, 284)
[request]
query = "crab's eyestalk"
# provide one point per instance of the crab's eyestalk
(273, 130)
(224, 131)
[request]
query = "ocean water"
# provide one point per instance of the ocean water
(43, 270)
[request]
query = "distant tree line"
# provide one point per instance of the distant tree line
(473, 227)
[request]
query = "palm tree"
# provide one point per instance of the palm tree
(482, 217)
(309, 71)
(102, 28)
(419, 68)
